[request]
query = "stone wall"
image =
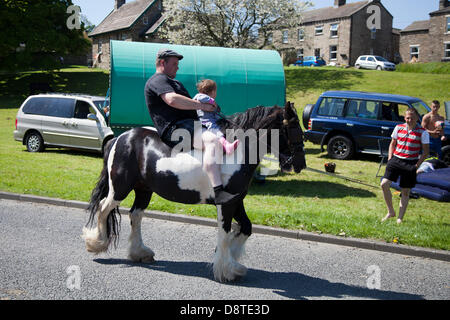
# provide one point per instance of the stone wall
(135, 33)
(431, 42)
(364, 41)
(439, 36)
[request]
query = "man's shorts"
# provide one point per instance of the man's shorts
(405, 169)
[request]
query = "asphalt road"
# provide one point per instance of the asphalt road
(42, 256)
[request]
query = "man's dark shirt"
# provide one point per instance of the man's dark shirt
(162, 114)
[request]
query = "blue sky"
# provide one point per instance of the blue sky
(404, 11)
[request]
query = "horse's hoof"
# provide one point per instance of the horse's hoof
(239, 270)
(148, 259)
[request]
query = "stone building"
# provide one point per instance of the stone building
(134, 21)
(340, 34)
(428, 40)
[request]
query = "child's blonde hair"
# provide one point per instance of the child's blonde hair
(206, 86)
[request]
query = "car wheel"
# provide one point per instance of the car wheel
(379, 68)
(340, 147)
(357, 66)
(446, 155)
(34, 142)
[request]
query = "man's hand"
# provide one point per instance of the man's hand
(208, 107)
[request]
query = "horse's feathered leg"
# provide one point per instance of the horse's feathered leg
(241, 232)
(137, 251)
(225, 266)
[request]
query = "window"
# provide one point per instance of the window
(362, 58)
(371, 59)
(448, 25)
(414, 52)
(332, 107)
(317, 52)
(393, 111)
(318, 30)
(373, 33)
(301, 34)
(334, 30)
(300, 54)
(362, 109)
(333, 52)
(82, 109)
(99, 46)
(447, 50)
(285, 36)
(52, 107)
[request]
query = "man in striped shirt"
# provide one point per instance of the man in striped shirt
(408, 149)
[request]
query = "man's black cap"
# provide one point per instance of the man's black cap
(166, 53)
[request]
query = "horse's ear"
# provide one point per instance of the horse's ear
(289, 110)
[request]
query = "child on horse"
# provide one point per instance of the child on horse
(207, 93)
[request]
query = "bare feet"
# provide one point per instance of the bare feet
(388, 216)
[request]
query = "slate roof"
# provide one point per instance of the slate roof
(331, 13)
(422, 25)
(441, 11)
(122, 18)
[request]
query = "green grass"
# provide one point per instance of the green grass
(429, 67)
(306, 201)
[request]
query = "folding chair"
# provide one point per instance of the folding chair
(383, 147)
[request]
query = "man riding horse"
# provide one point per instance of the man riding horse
(142, 160)
(171, 107)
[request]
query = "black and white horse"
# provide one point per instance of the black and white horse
(138, 160)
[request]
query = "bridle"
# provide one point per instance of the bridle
(295, 140)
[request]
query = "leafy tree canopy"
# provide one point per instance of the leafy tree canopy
(35, 34)
(229, 23)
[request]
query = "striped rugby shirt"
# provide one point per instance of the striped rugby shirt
(409, 142)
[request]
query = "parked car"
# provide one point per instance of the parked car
(348, 122)
(310, 61)
(62, 120)
(374, 62)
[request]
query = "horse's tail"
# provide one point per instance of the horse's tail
(102, 187)
(99, 193)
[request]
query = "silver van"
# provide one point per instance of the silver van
(63, 120)
(374, 62)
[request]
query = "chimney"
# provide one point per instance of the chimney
(338, 3)
(443, 4)
(119, 3)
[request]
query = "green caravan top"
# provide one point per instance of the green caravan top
(245, 78)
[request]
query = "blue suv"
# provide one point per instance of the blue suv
(348, 122)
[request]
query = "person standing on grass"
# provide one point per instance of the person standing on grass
(408, 149)
(433, 122)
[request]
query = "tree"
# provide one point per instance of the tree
(35, 34)
(229, 23)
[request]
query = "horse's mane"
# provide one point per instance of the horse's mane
(256, 118)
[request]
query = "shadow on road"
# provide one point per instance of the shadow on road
(290, 285)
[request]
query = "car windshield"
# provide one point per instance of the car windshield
(380, 58)
(421, 108)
